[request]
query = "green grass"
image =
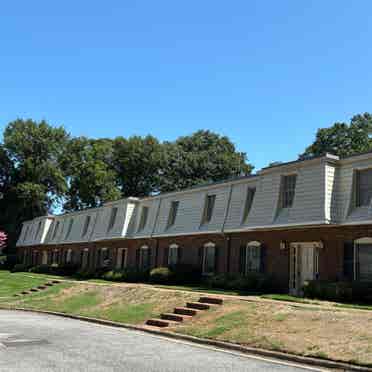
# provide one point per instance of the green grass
(354, 306)
(13, 283)
(287, 298)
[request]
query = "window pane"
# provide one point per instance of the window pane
(209, 259)
(248, 202)
(288, 190)
(365, 262)
(173, 255)
(86, 225)
(143, 220)
(114, 212)
(208, 208)
(172, 213)
(364, 187)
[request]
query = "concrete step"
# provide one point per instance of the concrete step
(41, 287)
(25, 292)
(175, 317)
(211, 300)
(198, 305)
(160, 322)
(49, 284)
(186, 311)
(34, 290)
(56, 281)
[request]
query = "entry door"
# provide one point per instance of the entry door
(302, 266)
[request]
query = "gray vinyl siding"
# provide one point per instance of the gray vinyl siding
(190, 211)
(347, 210)
(308, 205)
(146, 232)
(237, 204)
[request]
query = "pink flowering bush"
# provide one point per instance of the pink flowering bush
(3, 239)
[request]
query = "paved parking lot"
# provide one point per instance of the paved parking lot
(32, 342)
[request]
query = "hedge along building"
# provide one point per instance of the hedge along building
(297, 221)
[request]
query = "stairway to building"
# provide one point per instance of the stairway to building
(182, 314)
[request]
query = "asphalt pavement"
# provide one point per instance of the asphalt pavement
(36, 343)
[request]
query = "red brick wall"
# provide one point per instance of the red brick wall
(277, 260)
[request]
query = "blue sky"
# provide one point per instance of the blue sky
(265, 73)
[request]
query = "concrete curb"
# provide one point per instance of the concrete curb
(310, 361)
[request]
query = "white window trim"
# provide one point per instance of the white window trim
(122, 252)
(361, 241)
(205, 247)
(171, 247)
(252, 244)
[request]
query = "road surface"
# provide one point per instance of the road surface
(37, 343)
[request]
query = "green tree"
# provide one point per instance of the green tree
(202, 157)
(32, 179)
(342, 139)
(88, 165)
(138, 162)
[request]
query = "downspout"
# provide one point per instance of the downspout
(227, 237)
(153, 231)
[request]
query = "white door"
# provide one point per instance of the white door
(303, 265)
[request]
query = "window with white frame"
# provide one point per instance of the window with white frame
(173, 255)
(208, 209)
(121, 260)
(69, 256)
(363, 259)
(114, 212)
(252, 257)
(363, 187)
(38, 230)
(86, 226)
(143, 218)
(288, 190)
(145, 257)
(44, 259)
(172, 213)
(55, 231)
(209, 258)
(68, 233)
(248, 202)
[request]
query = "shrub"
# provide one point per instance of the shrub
(253, 282)
(130, 275)
(84, 274)
(114, 275)
(186, 274)
(161, 275)
(40, 269)
(19, 268)
(339, 291)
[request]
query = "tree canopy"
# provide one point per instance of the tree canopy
(42, 167)
(343, 139)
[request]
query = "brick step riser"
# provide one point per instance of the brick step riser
(198, 306)
(157, 323)
(185, 311)
(175, 317)
(211, 300)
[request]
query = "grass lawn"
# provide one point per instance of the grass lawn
(13, 283)
(130, 304)
(336, 334)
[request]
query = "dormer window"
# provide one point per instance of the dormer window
(143, 219)
(69, 228)
(363, 187)
(26, 233)
(55, 230)
(172, 213)
(248, 202)
(86, 225)
(208, 209)
(288, 190)
(38, 230)
(114, 213)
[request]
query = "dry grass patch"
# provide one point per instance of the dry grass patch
(128, 304)
(326, 333)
